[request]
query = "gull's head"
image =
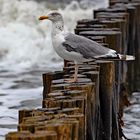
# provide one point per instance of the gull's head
(53, 16)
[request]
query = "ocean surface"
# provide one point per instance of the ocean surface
(26, 52)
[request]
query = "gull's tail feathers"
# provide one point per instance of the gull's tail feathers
(126, 57)
(119, 57)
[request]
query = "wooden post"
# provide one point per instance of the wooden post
(63, 130)
(106, 94)
(24, 135)
(47, 135)
(47, 80)
(89, 108)
(95, 104)
(81, 119)
(137, 47)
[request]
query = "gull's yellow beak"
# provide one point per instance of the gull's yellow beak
(43, 17)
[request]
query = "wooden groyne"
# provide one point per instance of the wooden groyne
(92, 108)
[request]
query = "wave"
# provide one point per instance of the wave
(25, 41)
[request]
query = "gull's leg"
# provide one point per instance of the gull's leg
(75, 75)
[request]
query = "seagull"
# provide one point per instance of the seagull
(77, 48)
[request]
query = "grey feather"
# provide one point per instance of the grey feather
(86, 47)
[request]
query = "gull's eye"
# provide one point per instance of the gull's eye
(54, 14)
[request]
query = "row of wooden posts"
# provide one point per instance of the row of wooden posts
(92, 108)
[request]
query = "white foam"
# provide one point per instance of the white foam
(24, 41)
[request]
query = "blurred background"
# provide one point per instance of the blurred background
(26, 52)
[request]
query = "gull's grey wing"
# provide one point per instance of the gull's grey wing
(87, 47)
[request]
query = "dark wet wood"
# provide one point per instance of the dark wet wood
(107, 79)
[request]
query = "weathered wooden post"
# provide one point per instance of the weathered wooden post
(26, 135)
(136, 4)
(47, 80)
(106, 95)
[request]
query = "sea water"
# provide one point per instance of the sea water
(26, 52)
